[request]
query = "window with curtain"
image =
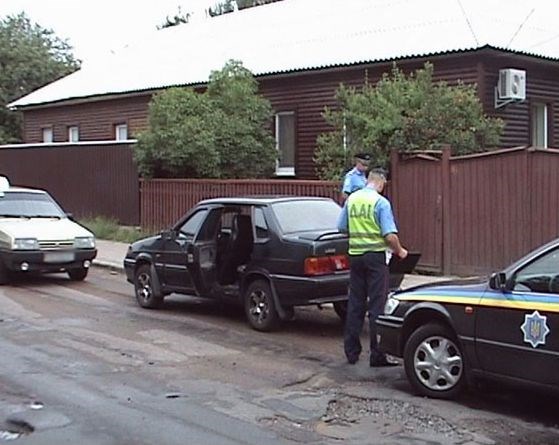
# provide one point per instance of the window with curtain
(285, 143)
(539, 125)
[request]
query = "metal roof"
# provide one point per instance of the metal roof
(294, 35)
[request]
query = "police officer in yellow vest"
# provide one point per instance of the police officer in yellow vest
(367, 217)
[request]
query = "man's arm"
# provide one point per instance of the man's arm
(394, 243)
(342, 219)
(385, 217)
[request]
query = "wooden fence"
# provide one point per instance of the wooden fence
(466, 214)
(476, 213)
(166, 200)
(87, 179)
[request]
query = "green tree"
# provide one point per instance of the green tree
(226, 6)
(221, 133)
(246, 146)
(180, 141)
(243, 4)
(221, 8)
(179, 18)
(30, 57)
(403, 112)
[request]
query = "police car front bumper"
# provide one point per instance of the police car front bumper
(389, 331)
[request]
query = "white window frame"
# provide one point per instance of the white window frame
(73, 133)
(48, 135)
(540, 112)
(118, 129)
(284, 171)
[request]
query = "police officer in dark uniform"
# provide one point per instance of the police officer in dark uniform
(367, 217)
(356, 178)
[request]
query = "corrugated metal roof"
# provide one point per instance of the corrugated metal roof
(294, 35)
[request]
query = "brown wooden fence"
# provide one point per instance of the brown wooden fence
(165, 200)
(465, 214)
(476, 213)
(86, 179)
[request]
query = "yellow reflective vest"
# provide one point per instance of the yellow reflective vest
(364, 231)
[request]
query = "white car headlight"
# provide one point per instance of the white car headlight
(25, 244)
(84, 242)
(391, 305)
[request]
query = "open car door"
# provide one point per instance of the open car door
(202, 254)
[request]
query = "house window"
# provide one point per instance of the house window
(285, 143)
(121, 132)
(73, 134)
(48, 135)
(539, 125)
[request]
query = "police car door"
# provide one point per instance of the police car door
(517, 330)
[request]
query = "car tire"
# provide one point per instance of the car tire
(434, 362)
(260, 308)
(78, 274)
(146, 295)
(340, 307)
(4, 274)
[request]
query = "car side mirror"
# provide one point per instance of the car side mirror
(498, 281)
(168, 235)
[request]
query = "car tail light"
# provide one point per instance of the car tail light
(326, 264)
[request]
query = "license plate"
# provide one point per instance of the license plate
(58, 257)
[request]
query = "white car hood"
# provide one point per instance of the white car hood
(44, 229)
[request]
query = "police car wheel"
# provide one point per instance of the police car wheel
(146, 296)
(434, 362)
(260, 308)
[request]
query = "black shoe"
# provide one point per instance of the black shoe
(381, 362)
(352, 359)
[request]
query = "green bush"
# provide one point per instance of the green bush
(221, 133)
(406, 113)
(109, 229)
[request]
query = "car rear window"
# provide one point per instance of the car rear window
(306, 215)
(17, 204)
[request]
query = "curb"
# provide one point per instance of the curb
(111, 265)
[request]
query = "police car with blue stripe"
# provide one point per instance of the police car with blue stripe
(502, 327)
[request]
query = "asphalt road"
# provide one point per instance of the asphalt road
(82, 363)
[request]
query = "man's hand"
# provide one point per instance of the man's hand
(402, 253)
(394, 243)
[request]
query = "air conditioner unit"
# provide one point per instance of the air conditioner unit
(512, 84)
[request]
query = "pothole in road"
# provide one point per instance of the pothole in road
(412, 418)
(12, 430)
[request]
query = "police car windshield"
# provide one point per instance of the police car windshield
(28, 205)
(306, 215)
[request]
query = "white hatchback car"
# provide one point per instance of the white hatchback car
(36, 235)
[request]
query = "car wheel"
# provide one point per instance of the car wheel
(260, 308)
(4, 274)
(434, 362)
(77, 274)
(340, 307)
(146, 296)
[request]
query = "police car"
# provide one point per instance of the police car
(37, 236)
(502, 327)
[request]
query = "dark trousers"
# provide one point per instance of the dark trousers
(368, 287)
